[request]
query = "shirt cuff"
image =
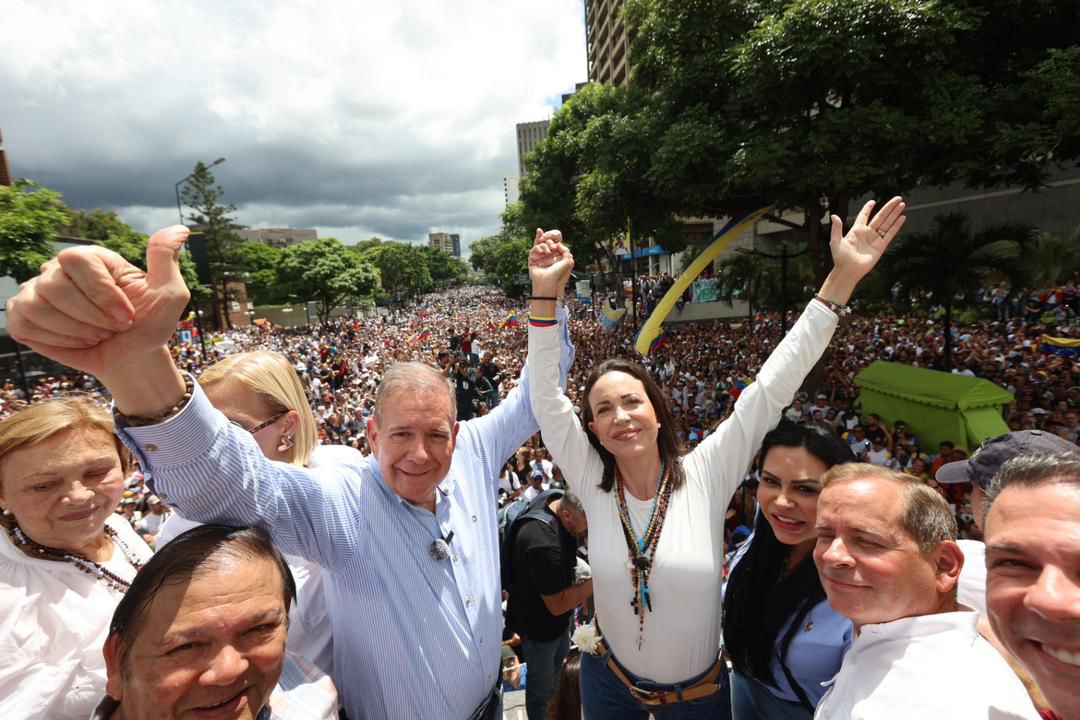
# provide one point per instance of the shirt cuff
(180, 439)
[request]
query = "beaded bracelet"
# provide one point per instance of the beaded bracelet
(139, 421)
(542, 321)
(837, 308)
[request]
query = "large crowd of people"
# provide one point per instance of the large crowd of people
(374, 447)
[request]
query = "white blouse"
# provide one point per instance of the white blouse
(53, 622)
(681, 638)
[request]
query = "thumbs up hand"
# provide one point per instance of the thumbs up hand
(92, 310)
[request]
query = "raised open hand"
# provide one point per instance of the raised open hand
(550, 263)
(856, 253)
(92, 310)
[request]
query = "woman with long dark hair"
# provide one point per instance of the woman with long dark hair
(779, 631)
(656, 512)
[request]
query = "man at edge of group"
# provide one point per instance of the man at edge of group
(1033, 571)
(410, 534)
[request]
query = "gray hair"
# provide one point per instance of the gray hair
(925, 515)
(413, 377)
(1032, 471)
(572, 502)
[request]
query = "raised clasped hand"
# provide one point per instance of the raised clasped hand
(859, 251)
(550, 263)
(92, 310)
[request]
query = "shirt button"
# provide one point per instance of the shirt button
(481, 639)
(150, 447)
(474, 518)
(454, 558)
(468, 603)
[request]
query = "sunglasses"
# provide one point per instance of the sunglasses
(261, 425)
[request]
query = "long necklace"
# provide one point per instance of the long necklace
(642, 550)
(91, 568)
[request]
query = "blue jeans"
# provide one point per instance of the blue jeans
(604, 697)
(750, 700)
(544, 659)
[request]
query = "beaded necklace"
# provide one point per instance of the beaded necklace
(91, 568)
(642, 550)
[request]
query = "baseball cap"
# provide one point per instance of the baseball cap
(991, 455)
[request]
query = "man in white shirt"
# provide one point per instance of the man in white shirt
(536, 485)
(1033, 570)
(888, 562)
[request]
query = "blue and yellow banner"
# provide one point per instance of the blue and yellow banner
(1065, 347)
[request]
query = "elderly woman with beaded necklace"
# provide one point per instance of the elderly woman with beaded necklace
(65, 558)
(656, 513)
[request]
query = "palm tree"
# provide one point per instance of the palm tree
(1053, 259)
(746, 277)
(950, 259)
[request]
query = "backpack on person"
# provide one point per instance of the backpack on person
(512, 517)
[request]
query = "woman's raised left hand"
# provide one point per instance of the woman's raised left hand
(856, 253)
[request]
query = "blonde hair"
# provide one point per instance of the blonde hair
(40, 421)
(273, 380)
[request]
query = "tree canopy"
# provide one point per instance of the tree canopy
(325, 271)
(29, 216)
(810, 105)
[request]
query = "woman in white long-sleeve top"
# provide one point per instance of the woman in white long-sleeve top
(656, 515)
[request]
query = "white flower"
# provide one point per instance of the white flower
(587, 639)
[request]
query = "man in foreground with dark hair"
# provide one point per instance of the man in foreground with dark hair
(1033, 570)
(202, 631)
(888, 562)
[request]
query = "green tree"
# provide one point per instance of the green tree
(812, 104)
(213, 224)
(442, 266)
(29, 216)
(950, 260)
(402, 268)
(107, 229)
(325, 271)
(757, 280)
(261, 263)
(589, 178)
(1053, 259)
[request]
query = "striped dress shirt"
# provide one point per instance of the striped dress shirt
(414, 637)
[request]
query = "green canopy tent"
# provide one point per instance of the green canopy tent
(936, 405)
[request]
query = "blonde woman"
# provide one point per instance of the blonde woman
(260, 392)
(66, 558)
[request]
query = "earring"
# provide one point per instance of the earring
(286, 443)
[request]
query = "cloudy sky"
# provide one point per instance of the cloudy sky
(357, 117)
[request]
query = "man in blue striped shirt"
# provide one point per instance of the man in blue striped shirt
(410, 541)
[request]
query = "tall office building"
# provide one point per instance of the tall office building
(5, 175)
(528, 134)
(449, 243)
(607, 42)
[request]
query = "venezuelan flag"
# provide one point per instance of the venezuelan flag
(511, 320)
(659, 341)
(1065, 347)
(421, 336)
